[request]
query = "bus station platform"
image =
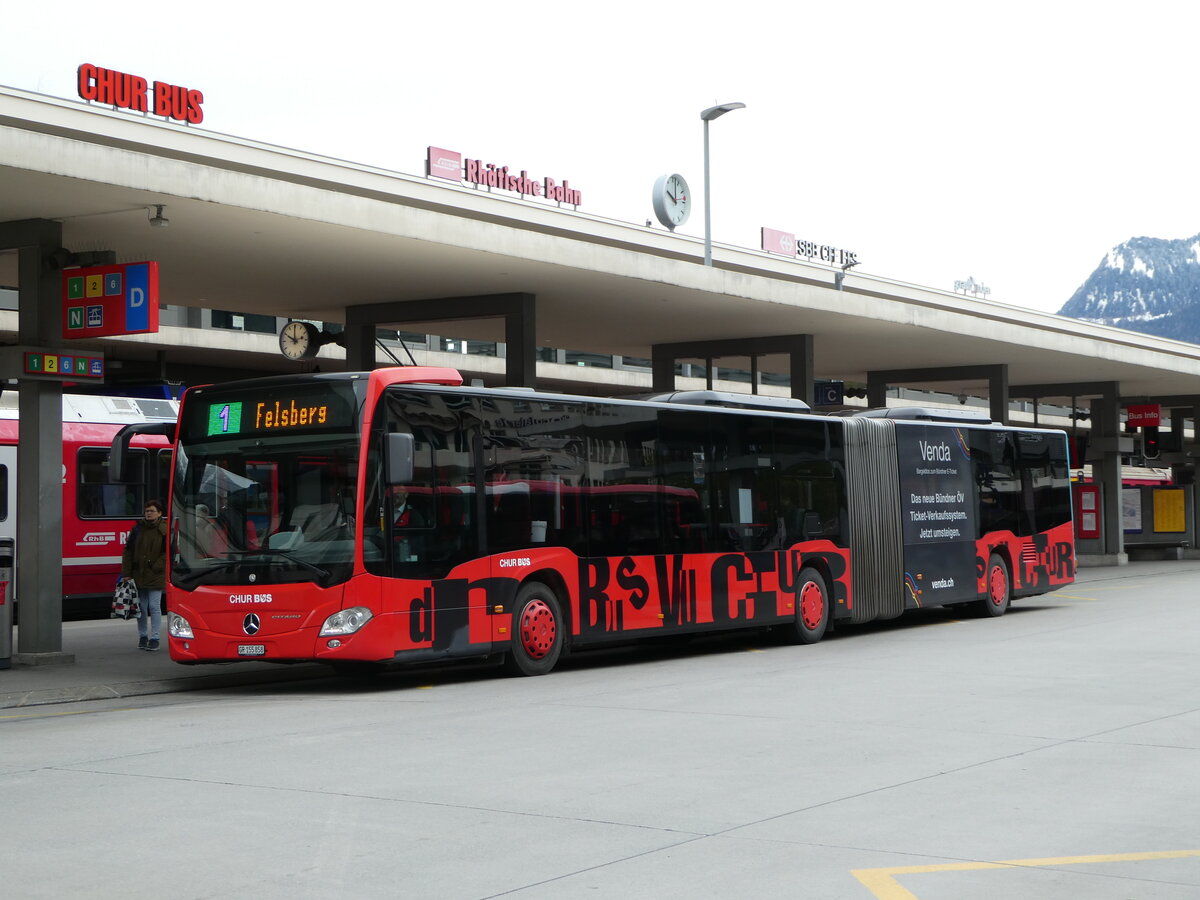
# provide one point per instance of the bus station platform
(109, 666)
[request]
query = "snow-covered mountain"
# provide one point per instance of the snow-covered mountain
(1146, 284)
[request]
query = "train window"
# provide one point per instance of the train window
(96, 498)
(3, 493)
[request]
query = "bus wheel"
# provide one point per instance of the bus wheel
(999, 588)
(538, 631)
(812, 607)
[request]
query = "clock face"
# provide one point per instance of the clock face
(678, 199)
(298, 340)
(672, 200)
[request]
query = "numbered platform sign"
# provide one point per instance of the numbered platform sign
(107, 300)
(63, 366)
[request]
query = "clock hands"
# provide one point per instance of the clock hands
(296, 340)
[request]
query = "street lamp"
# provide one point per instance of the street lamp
(713, 112)
(840, 277)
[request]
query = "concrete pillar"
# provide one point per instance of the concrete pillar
(1106, 435)
(39, 451)
(520, 360)
(797, 347)
(996, 376)
(519, 312)
(359, 335)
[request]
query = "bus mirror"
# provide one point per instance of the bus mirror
(398, 458)
(118, 461)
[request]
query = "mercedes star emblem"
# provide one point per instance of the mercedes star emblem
(250, 624)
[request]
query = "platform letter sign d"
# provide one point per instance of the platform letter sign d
(137, 306)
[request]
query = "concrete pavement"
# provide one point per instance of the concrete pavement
(108, 664)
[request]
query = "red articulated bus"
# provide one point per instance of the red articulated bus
(394, 516)
(96, 515)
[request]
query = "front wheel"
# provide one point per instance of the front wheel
(998, 587)
(538, 631)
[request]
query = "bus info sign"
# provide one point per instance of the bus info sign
(106, 300)
(1143, 414)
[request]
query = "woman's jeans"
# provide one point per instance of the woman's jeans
(149, 604)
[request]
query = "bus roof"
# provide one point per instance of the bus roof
(728, 399)
(926, 414)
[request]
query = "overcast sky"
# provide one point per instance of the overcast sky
(1014, 143)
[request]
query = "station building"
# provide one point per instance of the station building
(481, 265)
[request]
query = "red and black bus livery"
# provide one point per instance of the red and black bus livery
(547, 522)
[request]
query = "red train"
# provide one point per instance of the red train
(97, 516)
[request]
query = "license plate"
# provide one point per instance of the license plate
(252, 649)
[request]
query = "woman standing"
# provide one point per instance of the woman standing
(145, 561)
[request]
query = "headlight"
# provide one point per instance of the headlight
(347, 621)
(178, 626)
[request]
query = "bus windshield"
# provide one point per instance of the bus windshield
(264, 489)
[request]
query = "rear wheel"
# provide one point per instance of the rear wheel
(538, 631)
(812, 607)
(998, 587)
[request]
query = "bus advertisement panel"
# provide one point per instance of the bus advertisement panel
(938, 501)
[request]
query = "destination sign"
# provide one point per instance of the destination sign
(231, 418)
(269, 411)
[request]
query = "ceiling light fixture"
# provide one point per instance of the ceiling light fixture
(158, 220)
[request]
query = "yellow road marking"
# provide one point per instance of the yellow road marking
(1071, 596)
(884, 886)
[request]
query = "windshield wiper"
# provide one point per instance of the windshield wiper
(271, 551)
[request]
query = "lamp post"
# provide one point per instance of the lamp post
(713, 112)
(840, 277)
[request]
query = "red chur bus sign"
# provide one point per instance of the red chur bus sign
(136, 94)
(450, 165)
